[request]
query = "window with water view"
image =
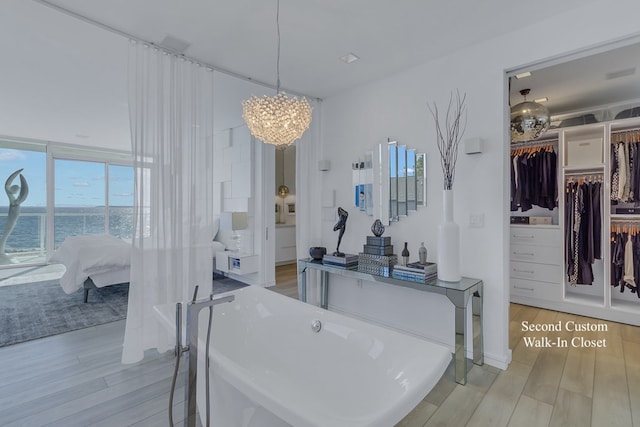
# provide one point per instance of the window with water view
(23, 241)
(88, 197)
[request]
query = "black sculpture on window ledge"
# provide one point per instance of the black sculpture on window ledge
(340, 225)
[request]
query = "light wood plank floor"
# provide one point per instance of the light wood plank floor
(76, 379)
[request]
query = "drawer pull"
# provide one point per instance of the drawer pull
(522, 236)
(523, 253)
(515, 270)
(523, 288)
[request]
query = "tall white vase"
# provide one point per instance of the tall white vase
(448, 242)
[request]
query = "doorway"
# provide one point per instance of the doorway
(285, 211)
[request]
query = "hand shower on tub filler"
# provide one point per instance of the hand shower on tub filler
(193, 310)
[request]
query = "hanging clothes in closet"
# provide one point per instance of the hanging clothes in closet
(583, 228)
(534, 178)
(625, 168)
(625, 258)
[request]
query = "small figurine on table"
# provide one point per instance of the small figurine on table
(340, 225)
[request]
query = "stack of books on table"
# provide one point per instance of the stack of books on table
(346, 261)
(416, 272)
(377, 256)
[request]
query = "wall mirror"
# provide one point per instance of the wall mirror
(390, 182)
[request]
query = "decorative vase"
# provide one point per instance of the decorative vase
(405, 255)
(422, 254)
(448, 242)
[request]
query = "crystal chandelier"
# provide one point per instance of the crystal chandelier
(277, 120)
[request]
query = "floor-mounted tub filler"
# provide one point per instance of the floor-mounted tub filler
(275, 361)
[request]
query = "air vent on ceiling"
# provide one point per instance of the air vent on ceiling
(175, 44)
(621, 73)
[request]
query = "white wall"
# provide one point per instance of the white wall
(396, 107)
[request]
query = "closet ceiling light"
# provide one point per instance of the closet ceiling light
(277, 120)
(523, 75)
(529, 120)
(545, 99)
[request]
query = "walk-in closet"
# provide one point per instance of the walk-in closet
(575, 207)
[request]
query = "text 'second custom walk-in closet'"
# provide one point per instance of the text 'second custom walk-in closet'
(575, 217)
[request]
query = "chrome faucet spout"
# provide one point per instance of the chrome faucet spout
(193, 310)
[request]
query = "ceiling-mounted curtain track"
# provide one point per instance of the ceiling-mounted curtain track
(162, 48)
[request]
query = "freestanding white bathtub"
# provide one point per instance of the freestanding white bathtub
(269, 368)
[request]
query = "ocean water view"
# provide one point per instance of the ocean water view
(29, 233)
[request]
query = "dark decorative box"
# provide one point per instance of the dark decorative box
(628, 210)
(519, 220)
(378, 250)
(379, 241)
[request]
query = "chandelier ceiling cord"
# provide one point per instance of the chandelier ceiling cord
(277, 120)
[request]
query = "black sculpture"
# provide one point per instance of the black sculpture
(377, 228)
(340, 225)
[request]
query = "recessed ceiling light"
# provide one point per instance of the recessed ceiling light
(545, 99)
(523, 75)
(621, 73)
(349, 58)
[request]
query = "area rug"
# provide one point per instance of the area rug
(37, 310)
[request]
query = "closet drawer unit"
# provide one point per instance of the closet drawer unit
(538, 272)
(537, 254)
(531, 235)
(535, 289)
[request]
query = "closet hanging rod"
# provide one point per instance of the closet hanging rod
(573, 176)
(622, 131)
(534, 144)
(584, 173)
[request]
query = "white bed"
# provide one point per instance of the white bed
(93, 261)
(99, 260)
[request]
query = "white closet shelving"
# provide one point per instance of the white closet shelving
(537, 252)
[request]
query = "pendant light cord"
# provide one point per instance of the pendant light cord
(278, 57)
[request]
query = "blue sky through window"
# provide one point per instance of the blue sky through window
(78, 183)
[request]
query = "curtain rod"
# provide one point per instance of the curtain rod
(126, 35)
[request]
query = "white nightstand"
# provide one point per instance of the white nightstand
(237, 263)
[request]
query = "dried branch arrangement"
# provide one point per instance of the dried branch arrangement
(449, 138)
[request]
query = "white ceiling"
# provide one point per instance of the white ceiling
(584, 84)
(64, 79)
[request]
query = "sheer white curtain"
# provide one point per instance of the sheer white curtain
(171, 114)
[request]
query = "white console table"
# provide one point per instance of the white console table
(459, 293)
